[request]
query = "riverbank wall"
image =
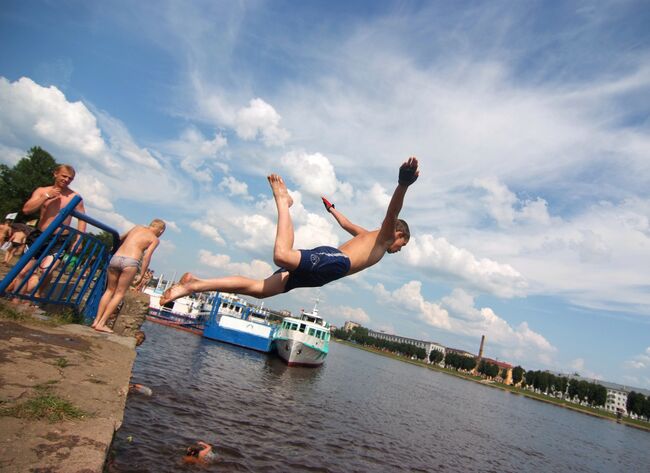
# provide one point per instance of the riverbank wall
(63, 387)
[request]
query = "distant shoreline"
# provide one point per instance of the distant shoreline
(515, 390)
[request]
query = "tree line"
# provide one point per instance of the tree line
(360, 336)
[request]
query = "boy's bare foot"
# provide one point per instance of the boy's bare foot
(279, 189)
(177, 290)
(103, 328)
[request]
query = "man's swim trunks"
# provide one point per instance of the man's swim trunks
(120, 263)
(317, 267)
(58, 244)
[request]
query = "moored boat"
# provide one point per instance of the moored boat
(233, 321)
(186, 313)
(303, 340)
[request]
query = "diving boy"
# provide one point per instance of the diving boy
(318, 266)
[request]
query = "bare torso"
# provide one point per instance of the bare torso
(52, 207)
(136, 242)
(364, 250)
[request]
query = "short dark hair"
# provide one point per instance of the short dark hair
(402, 226)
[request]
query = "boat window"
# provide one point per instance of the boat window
(294, 326)
(302, 328)
(317, 333)
(311, 331)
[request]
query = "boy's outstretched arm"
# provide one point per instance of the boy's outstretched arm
(408, 174)
(347, 225)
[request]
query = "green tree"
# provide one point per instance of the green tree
(106, 238)
(436, 356)
(18, 183)
(517, 374)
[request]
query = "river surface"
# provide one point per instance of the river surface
(359, 412)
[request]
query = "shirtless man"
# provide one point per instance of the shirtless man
(319, 266)
(48, 200)
(124, 266)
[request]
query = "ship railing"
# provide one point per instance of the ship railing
(77, 277)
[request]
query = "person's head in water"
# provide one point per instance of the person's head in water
(402, 236)
(193, 450)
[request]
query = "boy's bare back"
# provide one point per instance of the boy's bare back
(136, 242)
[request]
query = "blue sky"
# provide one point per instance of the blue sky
(531, 218)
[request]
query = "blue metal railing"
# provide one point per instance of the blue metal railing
(77, 275)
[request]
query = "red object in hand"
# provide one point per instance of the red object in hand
(328, 205)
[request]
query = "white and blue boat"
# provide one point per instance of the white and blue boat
(233, 321)
(303, 340)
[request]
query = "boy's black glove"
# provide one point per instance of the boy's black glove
(407, 174)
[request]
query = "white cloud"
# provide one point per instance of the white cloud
(234, 187)
(456, 313)
(208, 230)
(501, 204)
(260, 119)
(195, 152)
(122, 144)
(640, 362)
(32, 113)
(94, 192)
(314, 174)
(10, 155)
(173, 226)
(345, 313)
(113, 219)
(437, 256)
(256, 269)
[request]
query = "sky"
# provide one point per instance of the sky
(530, 220)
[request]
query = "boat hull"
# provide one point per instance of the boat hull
(240, 332)
(296, 353)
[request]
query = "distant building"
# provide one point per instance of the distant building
(460, 352)
(349, 326)
(616, 400)
(428, 347)
(502, 366)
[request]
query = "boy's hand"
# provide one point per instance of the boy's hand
(408, 172)
(328, 205)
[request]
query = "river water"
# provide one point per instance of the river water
(359, 412)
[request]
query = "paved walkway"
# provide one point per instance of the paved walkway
(44, 363)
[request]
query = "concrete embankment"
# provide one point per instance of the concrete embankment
(63, 388)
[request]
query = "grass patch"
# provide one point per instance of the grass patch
(61, 362)
(8, 313)
(44, 406)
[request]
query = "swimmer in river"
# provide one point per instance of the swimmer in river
(318, 266)
(200, 452)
